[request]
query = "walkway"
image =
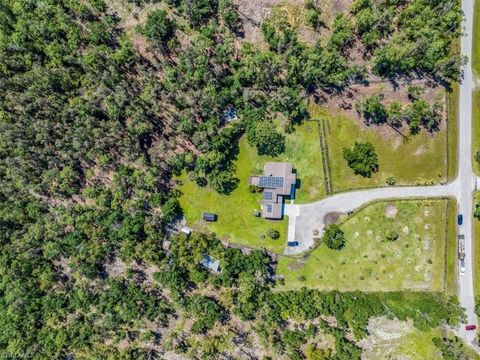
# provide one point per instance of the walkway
(305, 218)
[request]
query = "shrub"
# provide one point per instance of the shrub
(334, 237)
(391, 235)
(273, 234)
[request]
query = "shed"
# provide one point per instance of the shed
(186, 230)
(210, 263)
(209, 216)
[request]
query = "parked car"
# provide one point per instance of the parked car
(461, 267)
(471, 327)
(459, 219)
(292, 243)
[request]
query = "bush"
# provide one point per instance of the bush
(273, 234)
(254, 189)
(391, 235)
(362, 158)
(334, 237)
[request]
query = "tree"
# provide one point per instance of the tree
(267, 140)
(373, 110)
(334, 237)
(158, 28)
(171, 209)
(362, 159)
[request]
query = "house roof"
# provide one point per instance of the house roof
(276, 182)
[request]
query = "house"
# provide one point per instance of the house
(278, 181)
(229, 115)
(210, 263)
(209, 216)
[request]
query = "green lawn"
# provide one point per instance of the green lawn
(413, 345)
(476, 39)
(413, 159)
(476, 248)
(476, 127)
(451, 252)
(235, 221)
(452, 134)
(416, 261)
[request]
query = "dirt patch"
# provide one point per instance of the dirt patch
(295, 265)
(332, 217)
(419, 151)
(391, 211)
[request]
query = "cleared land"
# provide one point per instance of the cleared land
(476, 248)
(409, 159)
(235, 220)
(476, 128)
(476, 39)
(415, 261)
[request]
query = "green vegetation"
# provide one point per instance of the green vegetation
(451, 259)
(369, 262)
(476, 129)
(409, 159)
(267, 139)
(334, 237)
(99, 112)
(362, 159)
(476, 228)
(476, 40)
(452, 132)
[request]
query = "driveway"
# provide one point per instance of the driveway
(305, 218)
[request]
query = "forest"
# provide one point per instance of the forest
(92, 132)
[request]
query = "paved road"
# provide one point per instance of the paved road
(305, 218)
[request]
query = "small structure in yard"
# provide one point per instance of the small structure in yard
(210, 263)
(278, 181)
(166, 245)
(229, 115)
(186, 230)
(209, 216)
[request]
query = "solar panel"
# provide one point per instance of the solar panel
(268, 195)
(269, 208)
(271, 181)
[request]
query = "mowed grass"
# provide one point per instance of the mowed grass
(410, 160)
(452, 135)
(476, 39)
(451, 249)
(476, 248)
(415, 261)
(476, 128)
(235, 220)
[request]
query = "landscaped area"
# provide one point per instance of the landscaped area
(235, 220)
(368, 262)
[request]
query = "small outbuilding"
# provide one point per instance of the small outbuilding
(186, 230)
(209, 216)
(210, 263)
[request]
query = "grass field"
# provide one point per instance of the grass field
(413, 159)
(415, 261)
(451, 249)
(452, 134)
(235, 220)
(476, 39)
(476, 127)
(476, 248)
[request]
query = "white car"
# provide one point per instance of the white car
(461, 267)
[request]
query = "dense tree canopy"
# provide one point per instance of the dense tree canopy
(362, 158)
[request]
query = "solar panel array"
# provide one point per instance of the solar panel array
(271, 181)
(269, 208)
(268, 195)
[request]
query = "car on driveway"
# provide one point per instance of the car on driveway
(292, 243)
(459, 219)
(471, 327)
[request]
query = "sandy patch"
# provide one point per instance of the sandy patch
(331, 217)
(391, 211)
(406, 230)
(420, 151)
